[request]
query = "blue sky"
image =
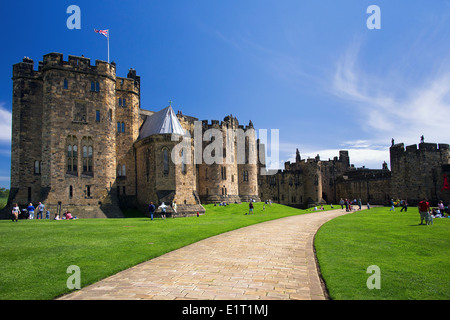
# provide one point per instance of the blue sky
(311, 69)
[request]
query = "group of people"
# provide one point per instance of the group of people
(427, 213)
(28, 213)
(350, 203)
(163, 206)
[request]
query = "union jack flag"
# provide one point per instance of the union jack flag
(103, 32)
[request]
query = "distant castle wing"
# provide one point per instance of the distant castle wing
(164, 121)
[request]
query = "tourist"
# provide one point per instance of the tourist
(404, 206)
(424, 208)
(368, 206)
(250, 205)
(341, 202)
(151, 209)
(40, 209)
(392, 205)
(346, 205)
(441, 207)
(163, 212)
(359, 204)
(56, 217)
(31, 211)
(15, 212)
(174, 207)
(47, 215)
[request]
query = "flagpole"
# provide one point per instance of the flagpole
(108, 45)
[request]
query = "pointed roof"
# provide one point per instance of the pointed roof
(164, 121)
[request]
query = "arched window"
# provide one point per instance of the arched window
(165, 161)
(123, 171)
(66, 84)
(87, 155)
(72, 155)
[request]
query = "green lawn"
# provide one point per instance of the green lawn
(35, 254)
(414, 260)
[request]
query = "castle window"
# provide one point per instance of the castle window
(123, 190)
(70, 192)
(124, 102)
(72, 155)
(119, 170)
(120, 102)
(87, 156)
(183, 162)
(123, 127)
(118, 126)
(123, 171)
(97, 115)
(224, 173)
(97, 86)
(92, 86)
(88, 191)
(29, 194)
(245, 175)
(110, 114)
(37, 167)
(66, 84)
(165, 161)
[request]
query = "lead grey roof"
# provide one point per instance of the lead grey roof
(164, 121)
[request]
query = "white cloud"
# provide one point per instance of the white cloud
(5, 124)
(391, 105)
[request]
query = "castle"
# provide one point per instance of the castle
(82, 142)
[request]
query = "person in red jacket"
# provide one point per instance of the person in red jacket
(424, 208)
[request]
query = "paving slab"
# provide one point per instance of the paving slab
(266, 261)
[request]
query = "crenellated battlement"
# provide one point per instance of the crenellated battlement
(55, 60)
(421, 147)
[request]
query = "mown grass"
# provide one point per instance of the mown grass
(35, 254)
(414, 259)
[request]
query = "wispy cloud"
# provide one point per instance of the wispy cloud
(394, 106)
(5, 124)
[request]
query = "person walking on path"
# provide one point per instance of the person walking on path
(392, 205)
(341, 202)
(359, 204)
(151, 209)
(30, 210)
(424, 208)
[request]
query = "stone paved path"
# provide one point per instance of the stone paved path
(270, 260)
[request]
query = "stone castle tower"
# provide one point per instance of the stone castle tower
(419, 171)
(81, 142)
